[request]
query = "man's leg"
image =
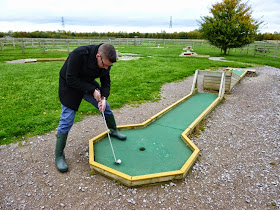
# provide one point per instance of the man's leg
(109, 117)
(65, 124)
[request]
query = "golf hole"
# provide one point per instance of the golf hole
(142, 149)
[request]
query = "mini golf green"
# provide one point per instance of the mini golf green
(158, 147)
(239, 72)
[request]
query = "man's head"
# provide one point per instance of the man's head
(106, 56)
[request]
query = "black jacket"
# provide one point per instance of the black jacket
(77, 77)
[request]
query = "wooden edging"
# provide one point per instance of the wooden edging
(164, 176)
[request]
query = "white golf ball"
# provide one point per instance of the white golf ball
(119, 161)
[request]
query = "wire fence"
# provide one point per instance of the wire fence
(270, 49)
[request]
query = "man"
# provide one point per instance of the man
(77, 82)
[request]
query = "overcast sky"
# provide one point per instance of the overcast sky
(120, 15)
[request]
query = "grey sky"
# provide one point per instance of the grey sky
(120, 15)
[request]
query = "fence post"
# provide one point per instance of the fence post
(2, 45)
(68, 47)
(44, 48)
(22, 46)
(275, 52)
(14, 46)
(255, 50)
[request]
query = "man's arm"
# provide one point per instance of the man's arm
(105, 85)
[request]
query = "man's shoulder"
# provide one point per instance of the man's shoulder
(82, 50)
(86, 49)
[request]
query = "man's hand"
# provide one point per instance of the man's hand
(102, 105)
(97, 95)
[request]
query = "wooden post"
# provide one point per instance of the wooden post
(275, 52)
(255, 50)
(194, 84)
(222, 85)
(14, 46)
(22, 46)
(2, 46)
(68, 47)
(44, 52)
(53, 43)
(264, 50)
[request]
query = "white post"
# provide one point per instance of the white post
(194, 84)
(222, 85)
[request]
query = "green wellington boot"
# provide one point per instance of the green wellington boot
(111, 123)
(59, 152)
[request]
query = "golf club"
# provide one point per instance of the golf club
(116, 161)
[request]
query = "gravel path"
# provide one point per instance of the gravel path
(238, 166)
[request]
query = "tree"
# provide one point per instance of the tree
(230, 26)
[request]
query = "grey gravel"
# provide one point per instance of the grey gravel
(238, 166)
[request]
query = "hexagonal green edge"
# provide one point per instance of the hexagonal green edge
(132, 181)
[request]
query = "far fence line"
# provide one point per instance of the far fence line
(270, 49)
(48, 43)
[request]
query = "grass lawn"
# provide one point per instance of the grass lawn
(29, 103)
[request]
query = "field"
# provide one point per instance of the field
(29, 103)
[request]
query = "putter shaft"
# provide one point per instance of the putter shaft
(109, 136)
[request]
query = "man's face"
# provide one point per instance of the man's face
(103, 62)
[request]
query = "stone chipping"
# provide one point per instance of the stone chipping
(238, 165)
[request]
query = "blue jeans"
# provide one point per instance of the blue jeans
(67, 115)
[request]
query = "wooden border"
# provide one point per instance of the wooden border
(133, 181)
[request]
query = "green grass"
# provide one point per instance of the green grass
(29, 103)
(236, 56)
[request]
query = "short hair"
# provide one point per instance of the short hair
(108, 51)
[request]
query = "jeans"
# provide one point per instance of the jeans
(67, 115)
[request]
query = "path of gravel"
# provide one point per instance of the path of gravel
(238, 166)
